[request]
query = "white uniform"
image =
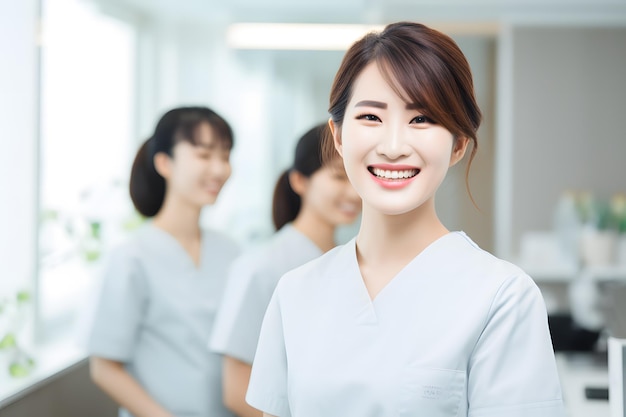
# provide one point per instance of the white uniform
(457, 332)
(156, 311)
(252, 280)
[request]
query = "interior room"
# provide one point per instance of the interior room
(85, 81)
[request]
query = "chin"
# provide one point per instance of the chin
(393, 209)
(208, 201)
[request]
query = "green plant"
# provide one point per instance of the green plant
(603, 217)
(8, 341)
(92, 242)
(584, 206)
(133, 221)
(618, 210)
(20, 363)
(602, 214)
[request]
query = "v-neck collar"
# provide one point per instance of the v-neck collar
(174, 243)
(366, 313)
(290, 229)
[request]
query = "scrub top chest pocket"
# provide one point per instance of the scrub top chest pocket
(371, 390)
(431, 392)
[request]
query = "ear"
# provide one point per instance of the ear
(299, 183)
(336, 132)
(460, 147)
(163, 164)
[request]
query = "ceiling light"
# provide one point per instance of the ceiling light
(295, 36)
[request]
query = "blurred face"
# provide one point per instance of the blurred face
(197, 172)
(395, 155)
(331, 196)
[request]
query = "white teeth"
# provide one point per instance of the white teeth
(399, 174)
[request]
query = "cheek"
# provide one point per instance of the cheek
(438, 151)
(324, 193)
(353, 155)
(351, 140)
(228, 170)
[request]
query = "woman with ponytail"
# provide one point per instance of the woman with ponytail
(162, 287)
(311, 200)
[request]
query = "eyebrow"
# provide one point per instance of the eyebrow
(371, 103)
(381, 105)
(414, 106)
(209, 146)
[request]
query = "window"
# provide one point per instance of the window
(87, 144)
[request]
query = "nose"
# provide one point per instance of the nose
(393, 143)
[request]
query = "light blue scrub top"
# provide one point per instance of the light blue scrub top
(155, 314)
(252, 280)
(456, 333)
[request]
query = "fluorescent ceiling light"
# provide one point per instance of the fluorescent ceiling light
(333, 37)
(295, 36)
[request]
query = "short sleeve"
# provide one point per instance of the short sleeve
(267, 390)
(512, 371)
(120, 308)
(239, 319)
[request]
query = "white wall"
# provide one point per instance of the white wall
(569, 104)
(454, 205)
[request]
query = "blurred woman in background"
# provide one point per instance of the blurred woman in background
(162, 287)
(310, 201)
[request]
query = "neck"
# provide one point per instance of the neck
(320, 232)
(179, 218)
(387, 238)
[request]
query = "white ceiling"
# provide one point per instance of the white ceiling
(372, 11)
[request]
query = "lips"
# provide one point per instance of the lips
(212, 187)
(394, 173)
(393, 177)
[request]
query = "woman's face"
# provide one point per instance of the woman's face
(331, 196)
(197, 172)
(395, 156)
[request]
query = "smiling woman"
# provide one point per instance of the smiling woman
(161, 288)
(408, 318)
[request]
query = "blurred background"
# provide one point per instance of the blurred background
(83, 82)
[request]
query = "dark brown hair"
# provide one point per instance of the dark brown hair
(147, 186)
(422, 65)
(307, 160)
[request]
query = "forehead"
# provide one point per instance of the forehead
(371, 84)
(205, 136)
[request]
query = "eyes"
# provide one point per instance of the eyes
(420, 119)
(210, 152)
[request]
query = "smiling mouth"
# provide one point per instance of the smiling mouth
(386, 174)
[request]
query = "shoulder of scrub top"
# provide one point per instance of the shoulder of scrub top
(257, 263)
(315, 274)
(133, 246)
(285, 250)
(485, 264)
